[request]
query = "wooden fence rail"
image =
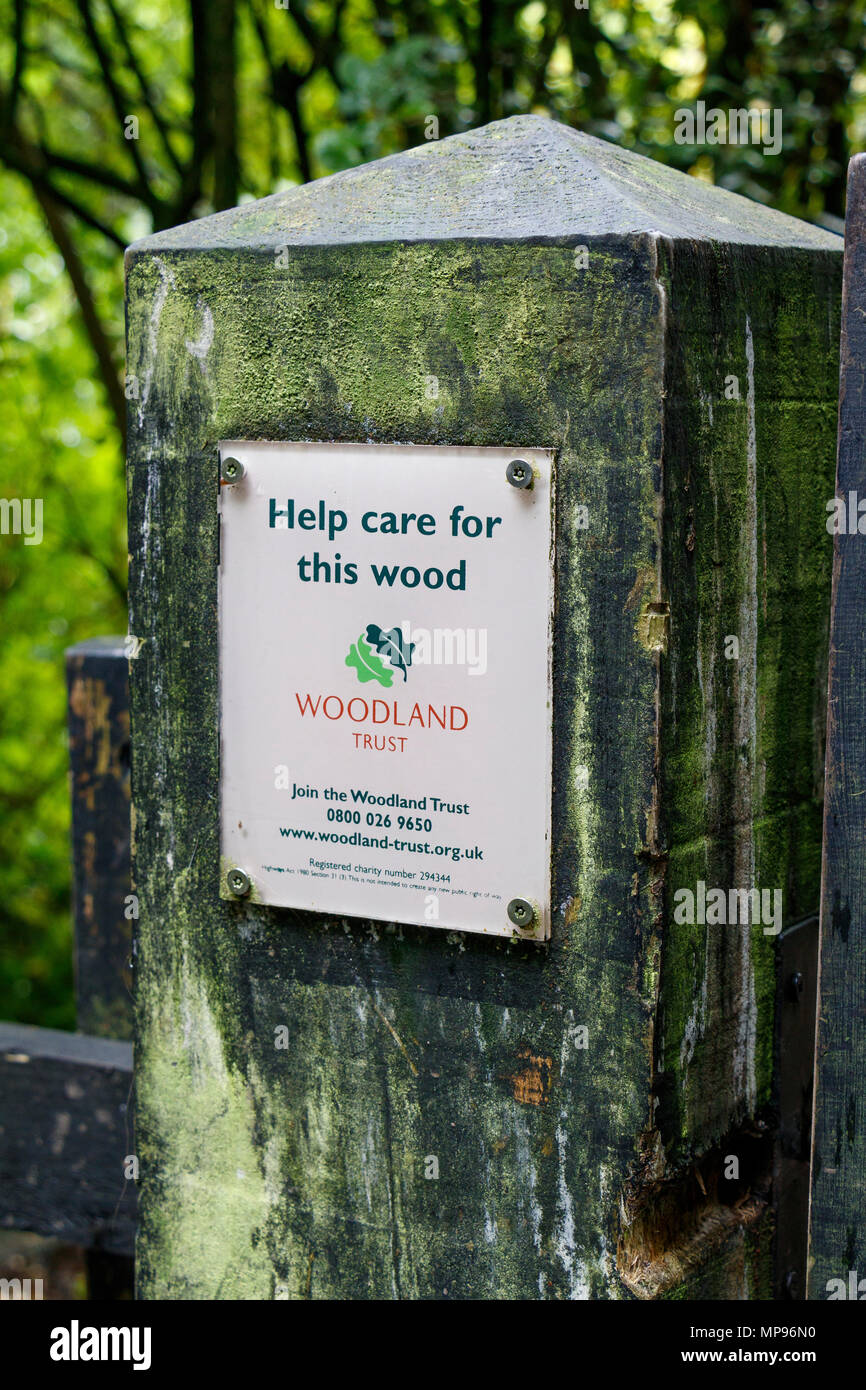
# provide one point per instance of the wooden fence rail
(66, 1098)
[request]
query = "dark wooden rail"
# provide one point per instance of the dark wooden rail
(66, 1098)
(65, 1134)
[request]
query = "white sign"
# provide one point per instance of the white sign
(385, 685)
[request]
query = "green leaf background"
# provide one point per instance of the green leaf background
(368, 665)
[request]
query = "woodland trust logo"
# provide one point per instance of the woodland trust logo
(370, 651)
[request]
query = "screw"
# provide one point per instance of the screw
(238, 882)
(519, 473)
(796, 985)
(792, 1284)
(231, 471)
(520, 912)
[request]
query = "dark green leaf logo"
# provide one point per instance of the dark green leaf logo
(391, 643)
(366, 654)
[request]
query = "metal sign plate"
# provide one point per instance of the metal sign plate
(385, 682)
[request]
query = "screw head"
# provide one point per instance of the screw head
(796, 985)
(238, 882)
(231, 470)
(520, 912)
(519, 473)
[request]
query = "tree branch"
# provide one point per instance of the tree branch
(159, 123)
(119, 103)
(94, 172)
(223, 101)
(96, 333)
(18, 156)
(18, 70)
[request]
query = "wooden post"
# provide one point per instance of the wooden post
(98, 684)
(66, 1148)
(837, 1265)
(454, 1116)
(104, 906)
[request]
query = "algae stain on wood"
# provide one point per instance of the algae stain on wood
(531, 1083)
(737, 811)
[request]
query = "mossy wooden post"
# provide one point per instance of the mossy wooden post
(677, 346)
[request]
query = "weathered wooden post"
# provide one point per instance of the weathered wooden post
(559, 1089)
(98, 686)
(102, 899)
(66, 1134)
(837, 1246)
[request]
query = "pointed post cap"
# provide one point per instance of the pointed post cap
(527, 178)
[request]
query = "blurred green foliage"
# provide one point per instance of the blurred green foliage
(233, 99)
(58, 442)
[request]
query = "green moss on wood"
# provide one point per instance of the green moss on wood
(746, 555)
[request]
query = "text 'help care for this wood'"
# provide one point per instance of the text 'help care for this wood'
(385, 682)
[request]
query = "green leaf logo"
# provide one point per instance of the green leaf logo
(367, 664)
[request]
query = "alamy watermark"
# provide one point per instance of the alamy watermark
(717, 907)
(14, 1290)
(854, 1289)
(77, 1343)
(846, 516)
(22, 516)
(447, 646)
(751, 125)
